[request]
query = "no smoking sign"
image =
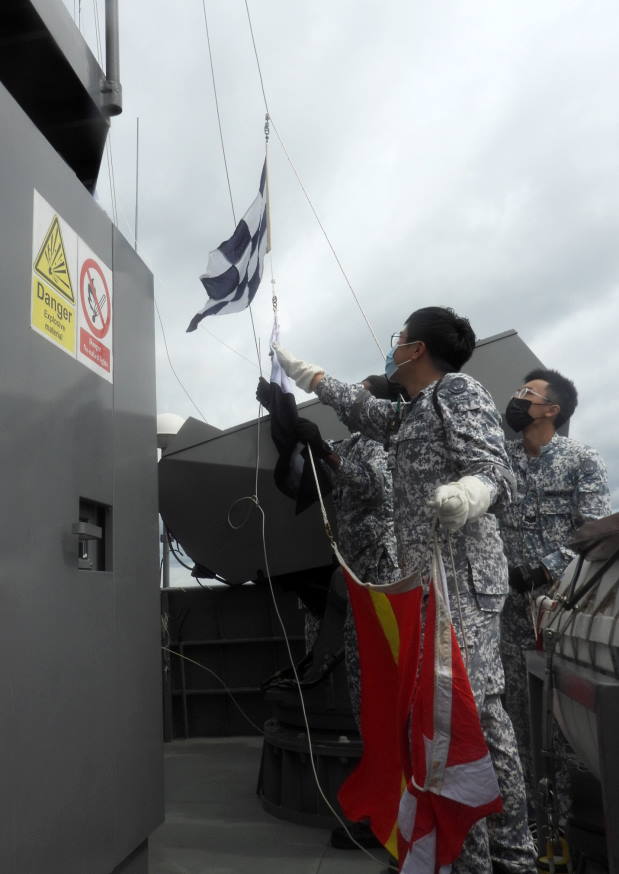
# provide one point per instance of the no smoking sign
(95, 298)
(95, 314)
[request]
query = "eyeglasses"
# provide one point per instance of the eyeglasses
(525, 393)
(395, 338)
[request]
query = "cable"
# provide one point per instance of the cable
(255, 500)
(303, 189)
(217, 677)
(221, 136)
(223, 151)
(330, 244)
(176, 555)
(165, 343)
(231, 348)
(301, 699)
(251, 30)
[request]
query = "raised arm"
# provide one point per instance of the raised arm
(355, 406)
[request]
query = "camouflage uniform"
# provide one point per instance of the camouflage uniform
(556, 492)
(450, 430)
(363, 501)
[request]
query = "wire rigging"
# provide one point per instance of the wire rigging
(223, 151)
(256, 501)
(253, 40)
(304, 190)
(221, 135)
(217, 677)
(328, 240)
(178, 379)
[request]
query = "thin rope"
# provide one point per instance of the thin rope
(302, 701)
(217, 677)
(202, 416)
(330, 244)
(223, 151)
(231, 348)
(251, 30)
(221, 135)
(303, 189)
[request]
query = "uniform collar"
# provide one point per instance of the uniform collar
(547, 447)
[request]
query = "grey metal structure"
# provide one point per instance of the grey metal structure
(206, 477)
(53, 75)
(591, 698)
(80, 734)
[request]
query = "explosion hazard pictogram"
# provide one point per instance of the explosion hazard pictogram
(51, 262)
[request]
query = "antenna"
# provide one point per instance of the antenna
(137, 165)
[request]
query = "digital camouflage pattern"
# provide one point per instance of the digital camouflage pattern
(557, 491)
(453, 429)
(363, 502)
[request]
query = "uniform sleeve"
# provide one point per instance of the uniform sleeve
(475, 438)
(592, 492)
(357, 408)
(365, 477)
(591, 500)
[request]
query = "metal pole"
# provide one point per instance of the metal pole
(112, 90)
(137, 167)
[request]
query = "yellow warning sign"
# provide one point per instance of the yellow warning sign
(51, 262)
(52, 316)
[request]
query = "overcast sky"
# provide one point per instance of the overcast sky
(462, 153)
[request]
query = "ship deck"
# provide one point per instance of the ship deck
(215, 823)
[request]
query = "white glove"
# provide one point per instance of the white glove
(460, 502)
(299, 371)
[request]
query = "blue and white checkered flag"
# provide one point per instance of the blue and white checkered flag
(234, 269)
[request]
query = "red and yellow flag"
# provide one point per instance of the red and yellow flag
(426, 775)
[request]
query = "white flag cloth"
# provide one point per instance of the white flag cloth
(234, 269)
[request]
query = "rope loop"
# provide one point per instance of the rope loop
(267, 127)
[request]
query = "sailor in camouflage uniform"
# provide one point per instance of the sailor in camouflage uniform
(363, 502)
(362, 497)
(560, 484)
(447, 454)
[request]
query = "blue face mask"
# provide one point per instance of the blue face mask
(391, 368)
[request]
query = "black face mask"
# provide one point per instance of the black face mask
(517, 414)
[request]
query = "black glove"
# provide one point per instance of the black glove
(525, 578)
(383, 389)
(263, 393)
(309, 433)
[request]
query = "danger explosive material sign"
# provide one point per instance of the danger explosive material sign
(71, 291)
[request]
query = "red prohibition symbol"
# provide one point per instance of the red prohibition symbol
(95, 297)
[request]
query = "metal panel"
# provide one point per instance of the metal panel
(77, 669)
(138, 720)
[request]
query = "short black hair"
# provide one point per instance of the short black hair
(561, 390)
(449, 338)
